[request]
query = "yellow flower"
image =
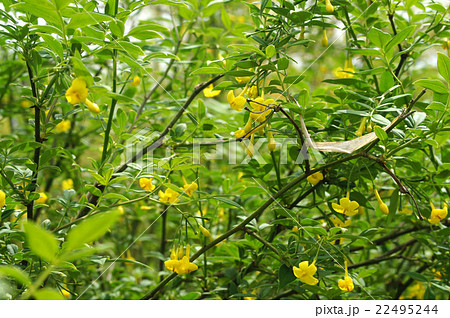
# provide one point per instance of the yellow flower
(305, 273)
(295, 229)
(67, 184)
(239, 133)
(189, 188)
(243, 79)
(252, 92)
(136, 81)
(237, 103)
(146, 184)
(315, 178)
(346, 284)
(361, 210)
(129, 257)
(329, 6)
(77, 92)
(221, 214)
(347, 71)
(2, 199)
(259, 108)
(362, 127)
(63, 126)
(205, 232)
(346, 206)
(383, 207)
(210, 92)
(65, 293)
(272, 144)
(416, 291)
(337, 221)
(121, 210)
(248, 125)
(93, 107)
(169, 196)
(250, 297)
(324, 38)
(437, 215)
(182, 266)
(250, 150)
(42, 199)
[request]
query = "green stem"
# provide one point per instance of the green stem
(37, 138)
(112, 110)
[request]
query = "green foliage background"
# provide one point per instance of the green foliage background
(398, 48)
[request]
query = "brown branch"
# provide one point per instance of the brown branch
(385, 256)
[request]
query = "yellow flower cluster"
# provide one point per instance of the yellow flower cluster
(77, 93)
(305, 272)
(180, 263)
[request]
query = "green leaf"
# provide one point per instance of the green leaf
(207, 70)
(201, 109)
(61, 4)
(16, 273)
(400, 37)
(48, 294)
(115, 196)
(417, 276)
(132, 49)
(366, 52)
(90, 230)
(436, 106)
(443, 64)
(378, 37)
(87, 18)
(433, 84)
(42, 242)
(270, 51)
(80, 70)
(53, 44)
(240, 73)
(285, 276)
(247, 48)
(381, 134)
(143, 33)
(228, 201)
(41, 9)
